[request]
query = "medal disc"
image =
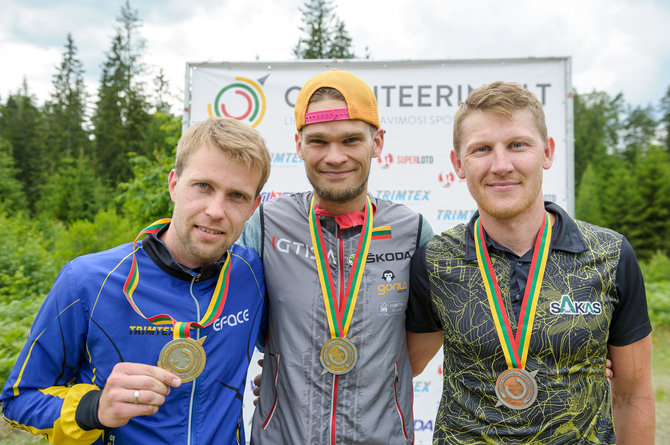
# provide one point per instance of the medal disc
(516, 388)
(338, 355)
(183, 357)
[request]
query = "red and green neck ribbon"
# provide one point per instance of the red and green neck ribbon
(180, 329)
(339, 316)
(514, 348)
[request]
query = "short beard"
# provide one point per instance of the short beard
(340, 196)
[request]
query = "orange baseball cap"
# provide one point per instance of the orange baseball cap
(360, 99)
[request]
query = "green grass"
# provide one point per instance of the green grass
(14, 436)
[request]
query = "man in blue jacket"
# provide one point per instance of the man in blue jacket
(149, 342)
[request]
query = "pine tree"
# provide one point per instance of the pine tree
(21, 125)
(596, 117)
(639, 130)
(326, 36)
(12, 198)
(650, 205)
(122, 110)
(65, 111)
(72, 192)
(665, 118)
(340, 46)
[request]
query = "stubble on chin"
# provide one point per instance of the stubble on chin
(339, 196)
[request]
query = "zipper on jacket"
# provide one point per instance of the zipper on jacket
(397, 403)
(191, 404)
(274, 403)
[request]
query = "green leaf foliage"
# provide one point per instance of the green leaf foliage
(12, 197)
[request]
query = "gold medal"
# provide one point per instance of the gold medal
(338, 356)
(183, 357)
(516, 388)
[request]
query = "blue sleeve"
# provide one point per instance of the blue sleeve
(42, 392)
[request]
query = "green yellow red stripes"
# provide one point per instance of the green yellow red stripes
(180, 329)
(515, 349)
(382, 232)
(339, 317)
(532, 292)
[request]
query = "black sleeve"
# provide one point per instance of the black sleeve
(86, 415)
(630, 321)
(420, 314)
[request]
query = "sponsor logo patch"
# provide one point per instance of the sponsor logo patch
(569, 307)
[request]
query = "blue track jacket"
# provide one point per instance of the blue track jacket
(86, 326)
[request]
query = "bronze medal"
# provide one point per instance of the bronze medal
(183, 357)
(338, 356)
(516, 388)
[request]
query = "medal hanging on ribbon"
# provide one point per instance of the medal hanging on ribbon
(182, 356)
(515, 387)
(339, 354)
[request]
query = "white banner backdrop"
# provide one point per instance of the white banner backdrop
(417, 101)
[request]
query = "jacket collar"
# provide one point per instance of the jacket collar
(565, 234)
(161, 255)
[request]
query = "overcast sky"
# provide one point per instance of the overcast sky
(615, 45)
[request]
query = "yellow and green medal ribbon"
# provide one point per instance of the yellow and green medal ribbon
(180, 329)
(514, 348)
(339, 354)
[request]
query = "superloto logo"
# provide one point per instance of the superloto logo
(242, 100)
(231, 320)
(386, 160)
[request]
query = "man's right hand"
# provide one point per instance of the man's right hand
(133, 389)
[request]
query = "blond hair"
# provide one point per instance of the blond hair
(234, 138)
(500, 98)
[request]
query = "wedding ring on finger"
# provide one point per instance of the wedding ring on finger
(137, 396)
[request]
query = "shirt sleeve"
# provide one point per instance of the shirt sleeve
(426, 231)
(420, 316)
(252, 234)
(630, 321)
(42, 393)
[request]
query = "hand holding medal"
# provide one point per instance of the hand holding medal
(182, 356)
(515, 387)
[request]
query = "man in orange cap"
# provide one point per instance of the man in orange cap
(336, 263)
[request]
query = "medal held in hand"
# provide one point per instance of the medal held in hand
(516, 388)
(182, 356)
(339, 354)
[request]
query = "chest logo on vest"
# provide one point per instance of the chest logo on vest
(569, 307)
(388, 277)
